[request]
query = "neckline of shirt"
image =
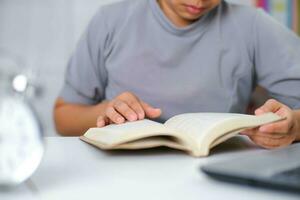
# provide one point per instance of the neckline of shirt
(197, 27)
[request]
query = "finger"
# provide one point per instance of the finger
(134, 103)
(109, 121)
(277, 127)
(270, 106)
(136, 106)
(270, 135)
(102, 121)
(114, 116)
(271, 143)
(263, 142)
(150, 111)
(256, 132)
(122, 108)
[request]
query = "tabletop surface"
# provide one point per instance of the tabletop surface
(72, 169)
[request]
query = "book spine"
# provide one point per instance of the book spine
(290, 13)
(298, 14)
(279, 10)
(259, 3)
(295, 15)
(263, 4)
(267, 5)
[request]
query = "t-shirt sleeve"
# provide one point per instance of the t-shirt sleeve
(85, 77)
(277, 59)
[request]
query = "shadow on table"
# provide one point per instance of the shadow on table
(235, 144)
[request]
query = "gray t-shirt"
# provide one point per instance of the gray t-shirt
(209, 66)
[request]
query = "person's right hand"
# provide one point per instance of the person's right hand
(126, 107)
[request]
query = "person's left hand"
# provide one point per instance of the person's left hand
(276, 134)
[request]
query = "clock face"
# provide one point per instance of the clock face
(21, 145)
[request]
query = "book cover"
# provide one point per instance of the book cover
(263, 4)
(290, 13)
(298, 16)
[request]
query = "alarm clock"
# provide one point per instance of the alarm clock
(21, 140)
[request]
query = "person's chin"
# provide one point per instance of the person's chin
(191, 17)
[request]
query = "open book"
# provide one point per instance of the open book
(195, 133)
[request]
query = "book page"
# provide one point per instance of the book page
(151, 142)
(197, 124)
(210, 129)
(113, 134)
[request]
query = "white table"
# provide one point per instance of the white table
(72, 169)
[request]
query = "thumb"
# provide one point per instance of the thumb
(270, 106)
(150, 111)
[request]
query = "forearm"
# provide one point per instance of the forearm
(296, 127)
(75, 119)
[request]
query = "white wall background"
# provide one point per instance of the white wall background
(44, 33)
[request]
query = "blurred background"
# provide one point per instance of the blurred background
(43, 33)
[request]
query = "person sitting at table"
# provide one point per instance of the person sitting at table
(181, 56)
